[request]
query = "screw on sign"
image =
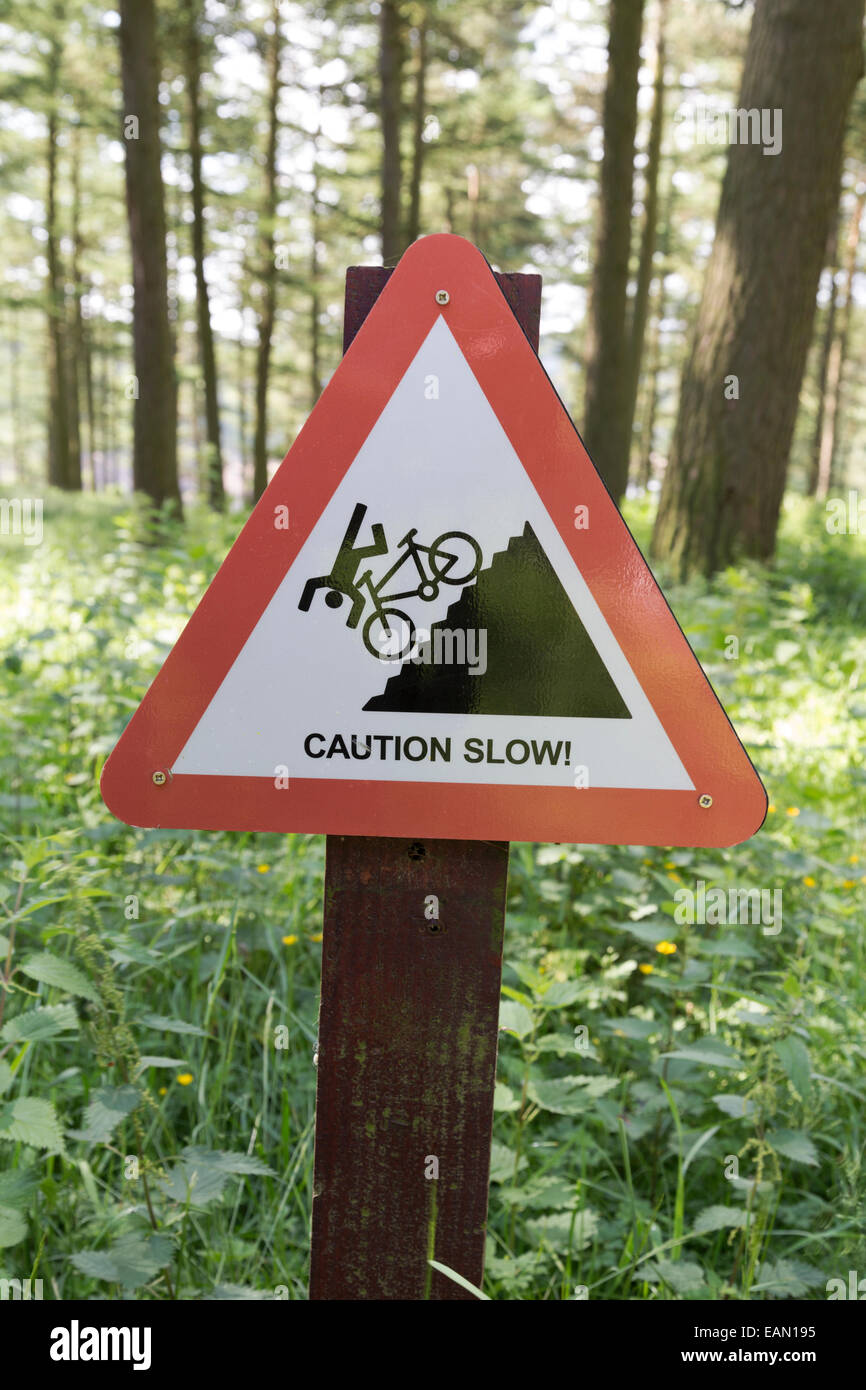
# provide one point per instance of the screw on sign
(433, 659)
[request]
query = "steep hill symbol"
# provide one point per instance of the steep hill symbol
(540, 659)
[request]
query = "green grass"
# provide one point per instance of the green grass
(634, 1082)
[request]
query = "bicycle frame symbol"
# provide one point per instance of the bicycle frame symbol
(453, 558)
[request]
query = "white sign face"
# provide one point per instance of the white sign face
(434, 627)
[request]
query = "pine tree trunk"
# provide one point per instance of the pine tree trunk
(832, 264)
(419, 112)
(827, 451)
(207, 354)
(75, 338)
(268, 280)
(654, 364)
(725, 478)
(315, 298)
(58, 396)
(154, 457)
(608, 369)
(390, 102)
(242, 405)
(640, 305)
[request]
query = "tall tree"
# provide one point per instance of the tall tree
(76, 337)
(640, 303)
(207, 354)
(59, 471)
(607, 416)
(419, 113)
(827, 340)
(391, 56)
(268, 253)
(828, 440)
(154, 458)
(725, 477)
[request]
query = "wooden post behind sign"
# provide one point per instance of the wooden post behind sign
(411, 970)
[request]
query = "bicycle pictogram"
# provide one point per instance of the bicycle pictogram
(389, 633)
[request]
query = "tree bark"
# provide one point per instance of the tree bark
(419, 112)
(154, 458)
(75, 340)
(652, 387)
(725, 478)
(315, 296)
(827, 450)
(391, 48)
(268, 276)
(608, 366)
(640, 304)
(832, 264)
(58, 397)
(213, 448)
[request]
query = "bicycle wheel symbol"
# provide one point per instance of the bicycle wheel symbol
(455, 558)
(389, 634)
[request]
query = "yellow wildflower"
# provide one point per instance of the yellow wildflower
(290, 941)
(793, 811)
(666, 948)
(646, 969)
(185, 1078)
(263, 869)
(809, 881)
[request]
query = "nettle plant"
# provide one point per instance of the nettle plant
(138, 1209)
(660, 1123)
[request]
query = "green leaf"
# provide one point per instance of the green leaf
(733, 946)
(560, 994)
(191, 1186)
(718, 1218)
(788, 1278)
(647, 933)
(145, 1062)
(249, 1164)
(502, 1162)
(504, 1098)
(54, 970)
(710, 1052)
(38, 1024)
(13, 1227)
(515, 1018)
(682, 1277)
(17, 1187)
(638, 1029)
(794, 1056)
(108, 1106)
(794, 1144)
(563, 1095)
(556, 1231)
(5, 1077)
(171, 1025)
(131, 1261)
(31, 1121)
(735, 1106)
(201, 1174)
(544, 1193)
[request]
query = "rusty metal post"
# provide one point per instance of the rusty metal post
(411, 970)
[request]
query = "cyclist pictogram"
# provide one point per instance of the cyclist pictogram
(389, 633)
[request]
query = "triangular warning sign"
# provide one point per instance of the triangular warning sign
(435, 622)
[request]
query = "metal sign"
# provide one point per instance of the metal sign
(436, 622)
